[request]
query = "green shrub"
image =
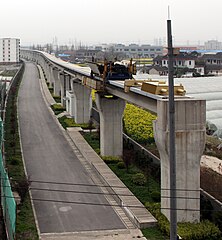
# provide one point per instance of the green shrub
(92, 140)
(217, 219)
(51, 89)
(121, 165)
(155, 195)
(139, 179)
(70, 122)
(14, 162)
(111, 159)
(57, 98)
(138, 123)
(204, 230)
(58, 108)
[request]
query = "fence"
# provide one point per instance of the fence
(7, 199)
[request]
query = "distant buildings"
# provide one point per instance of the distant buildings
(9, 50)
(213, 45)
(189, 64)
(111, 52)
(132, 50)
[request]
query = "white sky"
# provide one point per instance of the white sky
(110, 21)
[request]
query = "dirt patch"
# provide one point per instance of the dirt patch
(213, 147)
(211, 182)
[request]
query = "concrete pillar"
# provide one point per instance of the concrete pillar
(111, 127)
(50, 73)
(64, 86)
(57, 89)
(47, 73)
(62, 79)
(190, 120)
(82, 105)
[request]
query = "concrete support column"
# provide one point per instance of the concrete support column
(64, 86)
(47, 73)
(190, 120)
(51, 77)
(111, 127)
(82, 105)
(62, 79)
(57, 89)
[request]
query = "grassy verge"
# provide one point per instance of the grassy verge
(70, 122)
(25, 227)
(56, 98)
(57, 108)
(93, 140)
(153, 233)
(143, 192)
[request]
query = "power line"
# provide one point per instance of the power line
(97, 193)
(80, 192)
(64, 183)
(109, 205)
(85, 184)
(99, 185)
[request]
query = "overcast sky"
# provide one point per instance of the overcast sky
(110, 21)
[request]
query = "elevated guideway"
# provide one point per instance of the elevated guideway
(136, 96)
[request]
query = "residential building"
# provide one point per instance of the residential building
(181, 60)
(212, 62)
(9, 50)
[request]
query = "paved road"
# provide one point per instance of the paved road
(49, 158)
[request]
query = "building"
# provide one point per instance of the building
(212, 63)
(213, 45)
(181, 60)
(132, 50)
(9, 50)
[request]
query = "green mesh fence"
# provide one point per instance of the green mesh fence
(7, 199)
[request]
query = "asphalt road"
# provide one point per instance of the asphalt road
(49, 158)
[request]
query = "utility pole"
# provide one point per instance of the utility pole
(173, 202)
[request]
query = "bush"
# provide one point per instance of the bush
(51, 89)
(22, 187)
(155, 195)
(204, 230)
(199, 231)
(139, 179)
(111, 159)
(14, 162)
(58, 108)
(138, 124)
(121, 165)
(57, 98)
(70, 122)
